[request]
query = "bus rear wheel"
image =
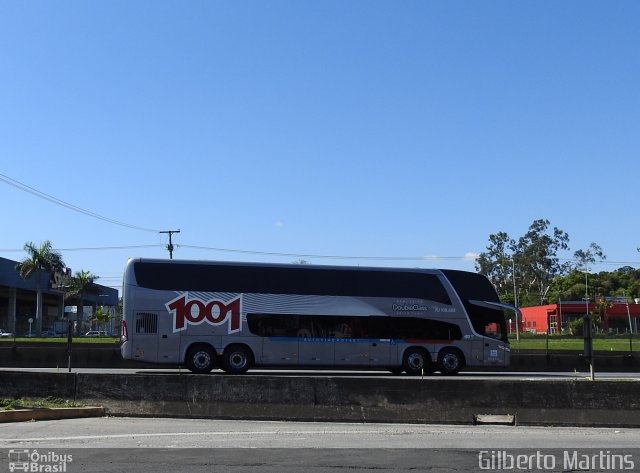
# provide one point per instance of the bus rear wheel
(416, 361)
(450, 361)
(200, 359)
(237, 359)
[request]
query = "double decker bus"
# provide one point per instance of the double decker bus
(235, 316)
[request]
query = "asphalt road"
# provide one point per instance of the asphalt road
(157, 445)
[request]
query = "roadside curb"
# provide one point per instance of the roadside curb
(24, 415)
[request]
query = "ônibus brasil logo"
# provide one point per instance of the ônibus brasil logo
(195, 311)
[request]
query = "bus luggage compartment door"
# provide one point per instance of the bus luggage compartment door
(351, 346)
(352, 352)
(316, 351)
(380, 352)
(168, 342)
(279, 351)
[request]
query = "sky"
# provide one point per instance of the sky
(377, 133)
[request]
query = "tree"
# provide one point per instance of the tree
(584, 258)
(537, 259)
(80, 284)
(599, 312)
(101, 318)
(623, 282)
(42, 258)
(497, 265)
(525, 268)
(587, 257)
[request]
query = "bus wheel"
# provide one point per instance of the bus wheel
(200, 359)
(237, 359)
(450, 361)
(416, 361)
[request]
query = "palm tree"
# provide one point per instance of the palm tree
(43, 258)
(80, 284)
(101, 318)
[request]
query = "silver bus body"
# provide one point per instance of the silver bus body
(239, 315)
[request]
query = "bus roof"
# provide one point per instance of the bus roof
(132, 261)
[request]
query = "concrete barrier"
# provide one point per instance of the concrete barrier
(345, 399)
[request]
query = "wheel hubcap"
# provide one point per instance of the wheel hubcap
(238, 360)
(415, 361)
(450, 361)
(201, 360)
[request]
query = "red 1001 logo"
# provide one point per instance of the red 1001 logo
(195, 311)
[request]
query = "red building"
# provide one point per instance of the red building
(555, 318)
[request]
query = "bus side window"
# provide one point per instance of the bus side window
(257, 324)
(291, 323)
(379, 327)
(305, 327)
(323, 326)
(341, 329)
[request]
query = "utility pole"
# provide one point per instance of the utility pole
(515, 297)
(170, 245)
(587, 328)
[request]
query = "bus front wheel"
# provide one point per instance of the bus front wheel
(237, 359)
(200, 359)
(450, 361)
(416, 361)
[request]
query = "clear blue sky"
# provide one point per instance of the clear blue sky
(352, 128)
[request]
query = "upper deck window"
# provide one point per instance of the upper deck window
(300, 280)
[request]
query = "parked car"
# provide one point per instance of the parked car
(5, 334)
(30, 334)
(96, 333)
(50, 334)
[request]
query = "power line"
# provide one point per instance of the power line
(102, 248)
(297, 255)
(62, 203)
(303, 255)
(379, 258)
(95, 248)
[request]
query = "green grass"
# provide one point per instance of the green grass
(539, 342)
(46, 403)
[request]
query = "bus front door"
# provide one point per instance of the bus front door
(494, 353)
